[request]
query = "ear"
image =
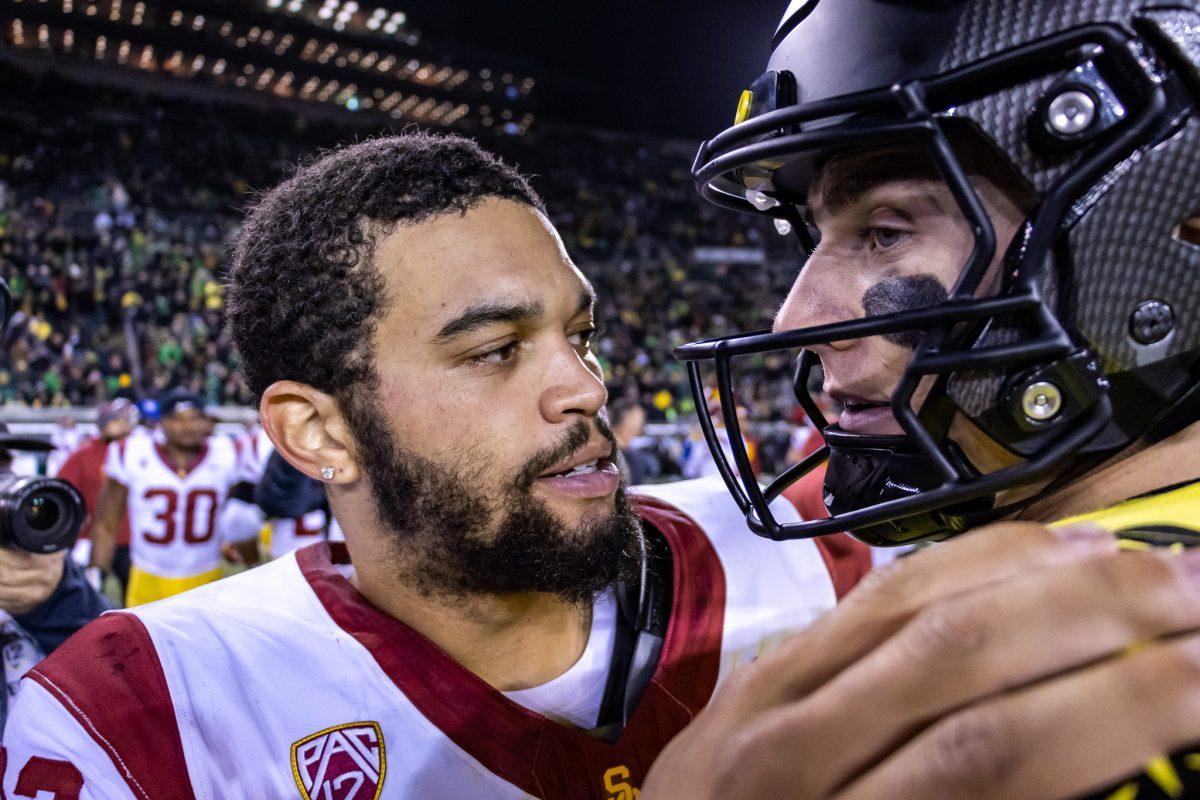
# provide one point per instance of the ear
(309, 431)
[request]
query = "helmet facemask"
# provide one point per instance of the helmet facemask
(1012, 358)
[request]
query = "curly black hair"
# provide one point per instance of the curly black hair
(304, 290)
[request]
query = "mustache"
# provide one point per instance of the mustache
(572, 442)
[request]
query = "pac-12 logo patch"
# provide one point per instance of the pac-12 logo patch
(345, 762)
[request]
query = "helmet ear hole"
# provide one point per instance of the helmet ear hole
(1187, 230)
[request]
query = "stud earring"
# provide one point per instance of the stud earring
(327, 473)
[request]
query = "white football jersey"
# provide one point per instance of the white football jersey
(284, 682)
(292, 534)
(173, 517)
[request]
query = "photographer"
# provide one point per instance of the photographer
(44, 597)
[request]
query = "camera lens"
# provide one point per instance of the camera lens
(42, 513)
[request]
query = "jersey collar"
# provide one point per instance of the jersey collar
(538, 755)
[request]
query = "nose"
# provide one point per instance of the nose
(574, 387)
(818, 297)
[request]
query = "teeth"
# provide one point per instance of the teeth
(582, 469)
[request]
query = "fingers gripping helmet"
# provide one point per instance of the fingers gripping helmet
(1092, 343)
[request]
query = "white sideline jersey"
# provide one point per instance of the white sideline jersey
(293, 533)
(173, 517)
(284, 682)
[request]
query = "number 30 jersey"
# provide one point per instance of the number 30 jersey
(173, 514)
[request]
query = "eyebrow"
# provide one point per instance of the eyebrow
(493, 312)
(851, 185)
(840, 199)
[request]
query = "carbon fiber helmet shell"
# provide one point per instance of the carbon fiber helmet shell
(1101, 297)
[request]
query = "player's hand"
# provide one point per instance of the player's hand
(231, 553)
(997, 665)
(27, 580)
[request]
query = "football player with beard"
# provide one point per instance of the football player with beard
(503, 620)
(997, 202)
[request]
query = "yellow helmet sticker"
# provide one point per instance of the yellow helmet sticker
(743, 107)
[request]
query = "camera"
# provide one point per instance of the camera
(41, 515)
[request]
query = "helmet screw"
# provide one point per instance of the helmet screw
(1071, 112)
(1151, 322)
(782, 226)
(1041, 402)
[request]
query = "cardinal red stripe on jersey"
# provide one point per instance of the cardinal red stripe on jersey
(539, 756)
(109, 678)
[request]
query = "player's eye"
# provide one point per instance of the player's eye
(582, 340)
(882, 238)
(496, 357)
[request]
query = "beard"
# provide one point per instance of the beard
(455, 540)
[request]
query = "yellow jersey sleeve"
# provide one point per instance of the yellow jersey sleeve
(1171, 519)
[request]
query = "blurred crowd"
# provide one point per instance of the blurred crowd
(116, 209)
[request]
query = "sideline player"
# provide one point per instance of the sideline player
(502, 620)
(84, 469)
(174, 489)
(1001, 242)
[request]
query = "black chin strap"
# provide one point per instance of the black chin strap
(643, 611)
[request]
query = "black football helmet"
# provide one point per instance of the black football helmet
(1092, 344)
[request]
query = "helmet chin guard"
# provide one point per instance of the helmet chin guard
(891, 490)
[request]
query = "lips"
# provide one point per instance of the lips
(865, 414)
(589, 474)
(587, 460)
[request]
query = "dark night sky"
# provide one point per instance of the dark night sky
(669, 68)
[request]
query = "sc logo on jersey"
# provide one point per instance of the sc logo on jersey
(345, 762)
